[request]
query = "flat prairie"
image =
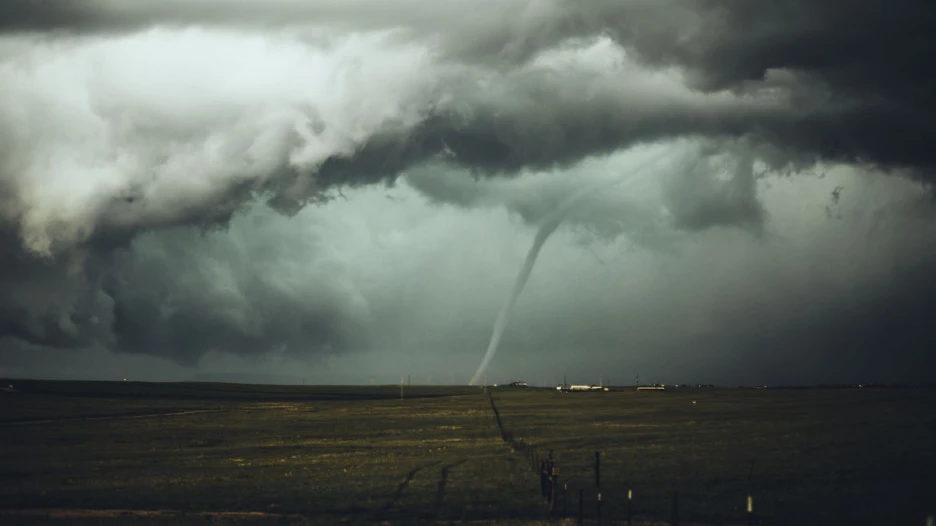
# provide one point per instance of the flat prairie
(205, 453)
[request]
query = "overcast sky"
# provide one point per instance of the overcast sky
(345, 191)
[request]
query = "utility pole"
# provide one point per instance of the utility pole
(401, 388)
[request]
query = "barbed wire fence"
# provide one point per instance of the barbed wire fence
(587, 501)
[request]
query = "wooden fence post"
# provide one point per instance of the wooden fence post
(553, 483)
(599, 508)
(630, 505)
(543, 477)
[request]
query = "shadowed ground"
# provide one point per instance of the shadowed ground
(223, 453)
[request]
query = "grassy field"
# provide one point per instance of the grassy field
(211, 453)
(819, 456)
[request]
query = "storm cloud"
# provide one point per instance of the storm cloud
(283, 178)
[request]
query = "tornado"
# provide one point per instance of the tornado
(547, 227)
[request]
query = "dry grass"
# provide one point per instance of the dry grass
(822, 457)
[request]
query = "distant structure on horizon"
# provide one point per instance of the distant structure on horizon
(566, 388)
(581, 388)
(517, 384)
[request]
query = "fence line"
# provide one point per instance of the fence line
(552, 490)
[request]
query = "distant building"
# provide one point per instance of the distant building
(517, 384)
(581, 388)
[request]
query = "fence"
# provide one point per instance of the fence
(590, 505)
(587, 501)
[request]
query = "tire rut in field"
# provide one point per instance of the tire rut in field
(497, 418)
(440, 492)
(506, 435)
(398, 494)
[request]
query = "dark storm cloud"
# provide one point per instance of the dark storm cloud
(533, 118)
(51, 302)
(177, 301)
(833, 330)
(180, 292)
(867, 61)
(706, 185)
(698, 199)
(92, 16)
(109, 16)
(870, 57)
(862, 67)
(122, 132)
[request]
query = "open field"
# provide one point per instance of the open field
(820, 456)
(319, 455)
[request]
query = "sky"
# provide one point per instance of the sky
(345, 192)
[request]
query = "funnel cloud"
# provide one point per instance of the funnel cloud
(549, 225)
